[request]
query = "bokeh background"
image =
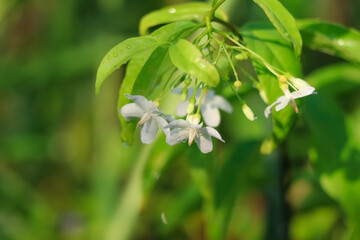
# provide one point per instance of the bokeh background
(65, 174)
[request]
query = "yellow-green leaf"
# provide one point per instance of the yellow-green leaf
(189, 59)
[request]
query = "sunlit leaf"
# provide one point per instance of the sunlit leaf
(283, 21)
(189, 59)
(266, 41)
(187, 11)
(122, 53)
(330, 38)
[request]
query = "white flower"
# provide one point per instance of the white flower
(209, 107)
(150, 117)
(184, 130)
(282, 101)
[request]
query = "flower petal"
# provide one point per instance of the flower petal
(213, 133)
(285, 101)
(181, 109)
(177, 135)
(268, 108)
(138, 99)
(204, 142)
(304, 91)
(223, 104)
(143, 103)
(149, 131)
(211, 115)
(131, 110)
(162, 123)
(180, 123)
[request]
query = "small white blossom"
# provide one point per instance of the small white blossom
(282, 101)
(209, 107)
(150, 117)
(186, 130)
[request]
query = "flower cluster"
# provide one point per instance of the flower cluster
(208, 107)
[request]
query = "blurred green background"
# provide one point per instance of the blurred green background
(65, 174)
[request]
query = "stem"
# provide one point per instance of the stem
(200, 100)
(232, 28)
(242, 47)
(248, 75)
(221, 44)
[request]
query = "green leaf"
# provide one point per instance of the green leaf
(171, 32)
(338, 74)
(189, 59)
(121, 54)
(336, 156)
(266, 41)
(145, 81)
(283, 21)
(186, 11)
(332, 39)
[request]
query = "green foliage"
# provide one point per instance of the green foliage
(283, 21)
(188, 58)
(66, 174)
(331, 38)
(187, 11)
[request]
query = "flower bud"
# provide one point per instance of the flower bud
(242, 56)
(187, 81)
(184, 94)
(237, 84)
(248, 112)
(194, 118)
(191, 106)
(157, 102)
(298, 82)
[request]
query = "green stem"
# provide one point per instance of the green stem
(242, 47)
(221, 44)
(200, 100)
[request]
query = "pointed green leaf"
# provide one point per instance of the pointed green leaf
(189, 59)
(267, 42)
(283, 21)
(173, 31)
(122, 53)
(330, 38)
(186, 11)
(145, 81)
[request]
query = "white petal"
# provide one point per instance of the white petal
(131, 110)
(149, 131)
(282, 104)
(268, 108)
(223, 104)
(138, 99)
(177, 135)
(211, 115)
(204, 142)
(304, 91)
(181, 109)
(213, 133)
(162, 123)
(143, 103)
(180, 123)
